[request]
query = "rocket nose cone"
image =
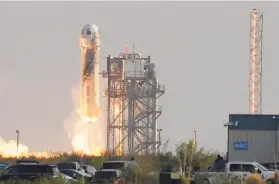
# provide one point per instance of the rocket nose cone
(89, 31)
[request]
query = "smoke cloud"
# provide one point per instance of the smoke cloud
(85, 137)
(9, 148)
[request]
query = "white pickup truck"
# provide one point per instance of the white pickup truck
(231, 171)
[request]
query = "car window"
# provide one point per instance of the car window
(248, 168)
(10, 170)
(36, 169)
(235, 167)
(263, 168)
(55, 169)
(3, 166)
(113, 165)
(66, 166)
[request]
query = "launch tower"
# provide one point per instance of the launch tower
(132, 93)
(255, 73)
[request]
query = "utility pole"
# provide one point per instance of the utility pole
(159, 146)
(195, 139)
(193, 150)
(17, 141)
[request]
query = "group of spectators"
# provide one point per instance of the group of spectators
(219, 164)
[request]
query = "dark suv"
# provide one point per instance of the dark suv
(29, 171)
(108, 176)
(120, 165)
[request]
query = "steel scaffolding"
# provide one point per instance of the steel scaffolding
(255, 73)
(132, 94)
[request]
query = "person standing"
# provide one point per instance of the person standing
(214, 166)
(133, 170)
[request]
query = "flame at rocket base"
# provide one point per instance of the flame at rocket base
(89, 108)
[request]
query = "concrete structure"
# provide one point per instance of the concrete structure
(253, 138)
(132, 93)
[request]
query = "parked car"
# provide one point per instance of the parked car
(233, 170)
(70, 165)
(31, 172)
(108, 176)
(3, 166)
(76, 174)
(89, 169)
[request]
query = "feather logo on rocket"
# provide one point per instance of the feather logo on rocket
(90, 45)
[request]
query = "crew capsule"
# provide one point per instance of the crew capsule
(89, 36)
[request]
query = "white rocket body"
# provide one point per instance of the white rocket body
(90, 46)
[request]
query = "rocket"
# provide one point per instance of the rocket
(90, 45)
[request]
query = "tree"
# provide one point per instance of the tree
(191, 158)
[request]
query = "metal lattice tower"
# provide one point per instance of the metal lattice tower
(255, 72)
(132, 94)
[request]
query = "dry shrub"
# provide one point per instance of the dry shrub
(255, 179)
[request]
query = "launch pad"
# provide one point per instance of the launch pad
(132, 109)
(132, 94)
